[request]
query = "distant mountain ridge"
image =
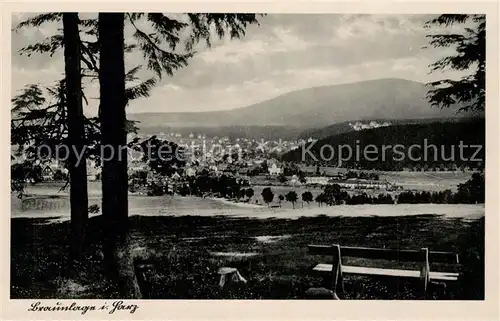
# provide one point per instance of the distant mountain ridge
(289, 132)
(316, 107)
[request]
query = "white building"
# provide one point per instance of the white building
(317, 180)
(274, 170)
(93, 170)
(294, 181)
(354, 183)
(190, 172)
(47, 173)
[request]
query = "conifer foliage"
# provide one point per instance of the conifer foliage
(470, 47)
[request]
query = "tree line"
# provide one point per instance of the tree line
(292, 197)
(470, 192)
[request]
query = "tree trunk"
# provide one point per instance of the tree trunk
(117, 253)
(76, 134)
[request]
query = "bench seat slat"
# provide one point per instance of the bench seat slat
(440, 276)
(386, 254)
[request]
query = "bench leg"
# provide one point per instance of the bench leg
(424, 272)
(336, 276)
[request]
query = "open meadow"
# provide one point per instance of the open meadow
(423, 180)
(57, 208)
(428, 181)
(48, 199)
(271, 254)
(187, 239)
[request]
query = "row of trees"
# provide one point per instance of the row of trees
(292, 197)
(470, 192)
(205, 183)
(362, 175)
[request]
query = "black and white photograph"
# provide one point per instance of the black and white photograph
(246, 156)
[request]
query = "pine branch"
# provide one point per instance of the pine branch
(452, 62)
(39, 20)
(200, 30)
(131, 74)
(159, 60)
(48, 45)
(448, 19)
(31, 95)
(141, 90)
(446, 40)
(470, 47)
(87, 63)
(167, 28)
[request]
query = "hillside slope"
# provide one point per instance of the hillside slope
(348, 126)
(412, 140)
(316, 107)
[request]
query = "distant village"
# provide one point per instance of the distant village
(256, 162)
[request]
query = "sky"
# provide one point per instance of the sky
(285, 52)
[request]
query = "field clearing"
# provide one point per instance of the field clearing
(421, 181)
(189, 238)
(429, 181)
(58, 208)
(47, 200)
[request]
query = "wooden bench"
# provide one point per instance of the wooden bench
(336, 270)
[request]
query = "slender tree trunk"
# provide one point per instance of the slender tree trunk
(76, 134)
(112, 117)
(117, 254)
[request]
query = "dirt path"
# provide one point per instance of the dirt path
(449, 210)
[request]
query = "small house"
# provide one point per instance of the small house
(47, 173)
(274, 170)
(190, 172)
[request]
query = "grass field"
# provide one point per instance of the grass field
(428, 181)
(445, 178)
(182, 247)
(268, 246)
(48, 199)
(57, 208)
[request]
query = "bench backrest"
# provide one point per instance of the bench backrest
(423, 256)
(385, 254)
